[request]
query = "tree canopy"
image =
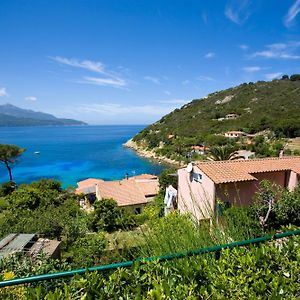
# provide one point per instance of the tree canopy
(9, 155)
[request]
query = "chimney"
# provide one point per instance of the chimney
(281, 154)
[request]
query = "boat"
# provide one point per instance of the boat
(37, 152)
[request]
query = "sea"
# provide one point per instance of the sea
(74, 153)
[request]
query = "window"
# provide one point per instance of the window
(197, 177)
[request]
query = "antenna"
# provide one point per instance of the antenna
(189, 168)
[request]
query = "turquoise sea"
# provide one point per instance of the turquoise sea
(73, 153)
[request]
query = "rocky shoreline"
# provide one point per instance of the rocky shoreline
(150, 154)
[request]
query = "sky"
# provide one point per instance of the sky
(131, 62)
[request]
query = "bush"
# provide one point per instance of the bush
(108, 216)
(275, 206)
(266, 271)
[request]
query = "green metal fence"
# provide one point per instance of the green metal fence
(64, 274)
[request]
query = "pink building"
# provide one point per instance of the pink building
(233, 182)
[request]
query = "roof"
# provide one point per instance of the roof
(149, 188)
(143, 176)
(244, 170)
(87, 186)
(124, 192)
(87, 182)
(15, 243)
(45, 246)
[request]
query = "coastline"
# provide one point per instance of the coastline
(149, 154)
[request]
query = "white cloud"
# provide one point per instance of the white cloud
(114, 109)
(3, 92)
(31, 98)
(209, 55)
(152, 79)
(279, 50)
(244, 47)
(205, 78)
(114, 82)
(272, 76)
(292, 14)
(185, 82)
(237, 11)
(94, 66)
(252, 69)
(109, 78)
(167, 93)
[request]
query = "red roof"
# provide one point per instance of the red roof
(124, 192)
(132, 191)
(243, 170)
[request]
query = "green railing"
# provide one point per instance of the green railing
(57, 275)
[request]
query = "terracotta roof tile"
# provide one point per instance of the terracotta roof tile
(124, 192)
(87, 186)
(243, 170)
(88, 182)
(148, 188)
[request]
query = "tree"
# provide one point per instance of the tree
(285, 77)
(9, 155)
(223, 153)
(167, 177)
(295, 77)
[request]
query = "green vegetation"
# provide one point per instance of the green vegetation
(223, 153)
(272, 108)
(9, 155)
(256, 272)
(45, 208)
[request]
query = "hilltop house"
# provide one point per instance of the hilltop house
(231, 116)
(234, 134)
(232, 182)
(199, 149)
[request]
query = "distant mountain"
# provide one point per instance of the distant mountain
(249, 107)
(11, 115)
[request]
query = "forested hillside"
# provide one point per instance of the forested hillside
(257, 106)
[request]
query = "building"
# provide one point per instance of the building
(87, 186)
(234, 134)
(231, 116)
(232, 182)
(30, 244)
(133, 192)
(199, 149)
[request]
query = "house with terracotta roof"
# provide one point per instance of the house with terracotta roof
(87, 186)
(235, 182)
(133, 192)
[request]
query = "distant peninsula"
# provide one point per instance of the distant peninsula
(11, 115)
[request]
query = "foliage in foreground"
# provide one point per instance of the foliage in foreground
(260, 272)
(268, 271)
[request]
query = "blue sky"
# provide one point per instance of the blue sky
(131, 62)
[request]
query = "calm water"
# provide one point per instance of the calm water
(74, 153)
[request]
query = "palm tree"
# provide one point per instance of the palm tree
(224, 153)
(9, 155)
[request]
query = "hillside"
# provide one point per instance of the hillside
(256, 107)
(11, 115)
